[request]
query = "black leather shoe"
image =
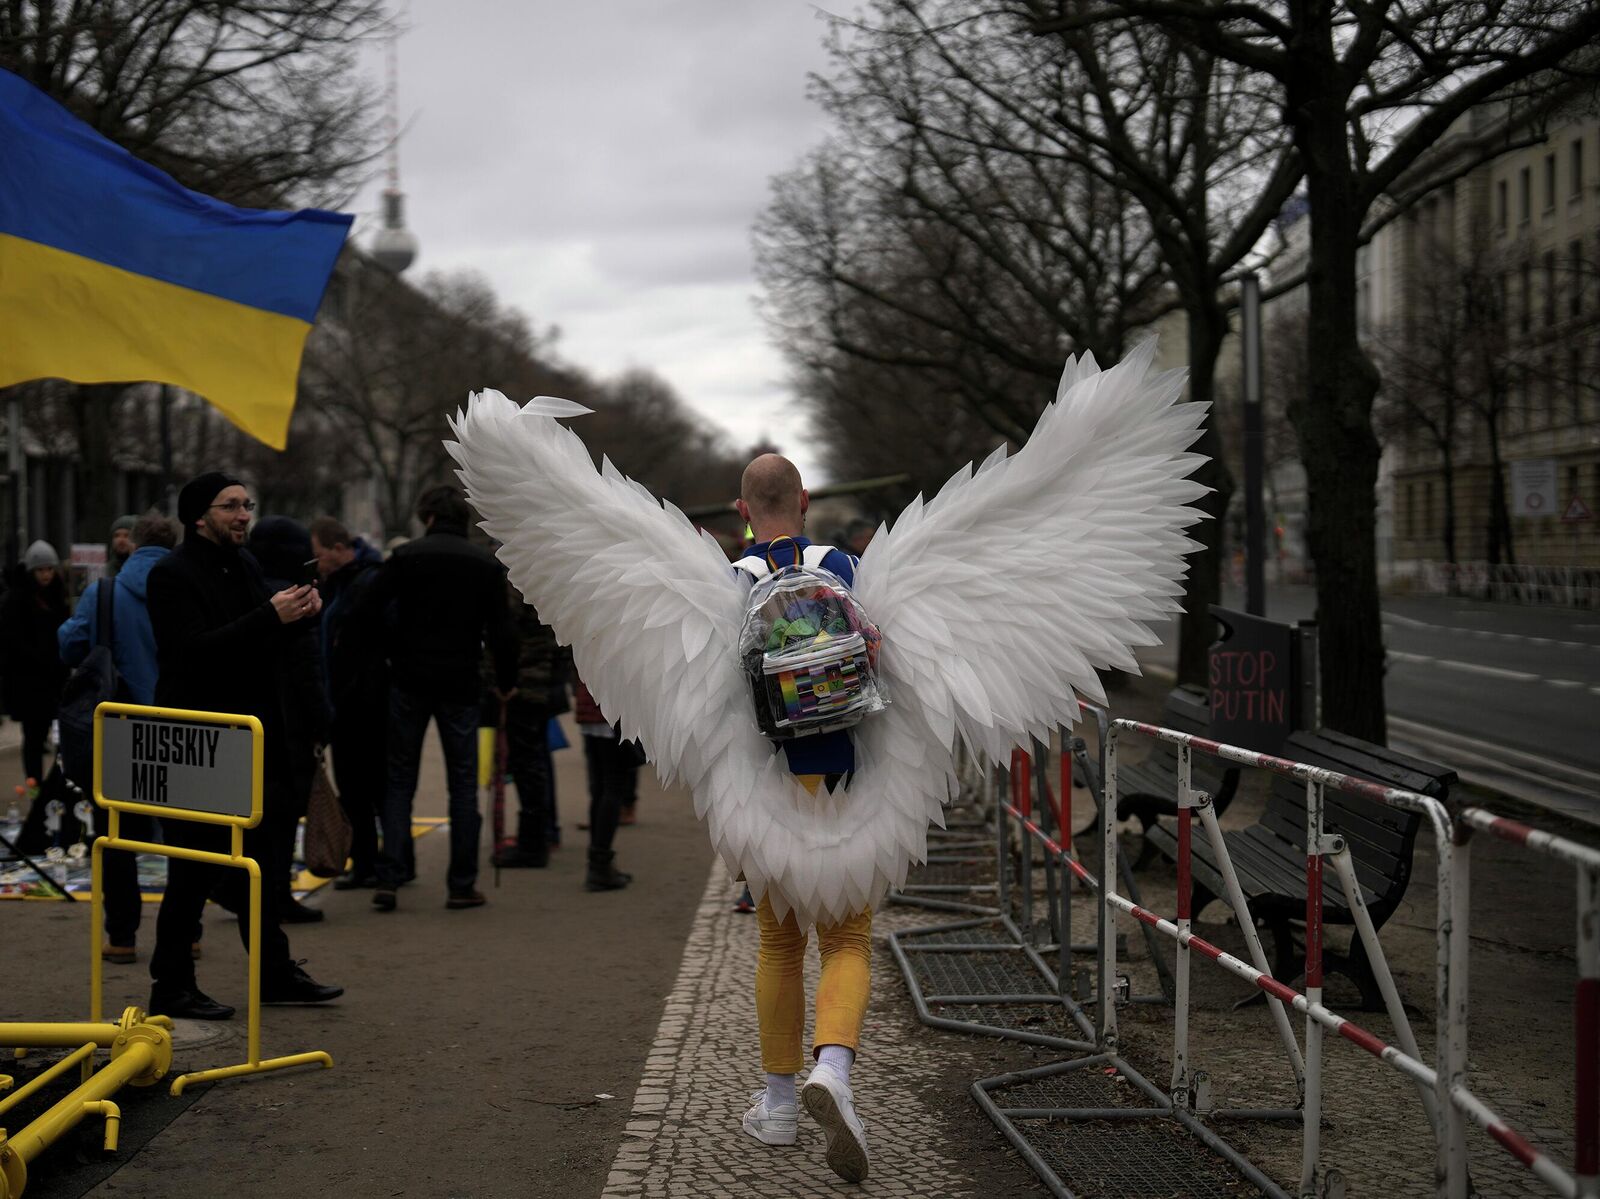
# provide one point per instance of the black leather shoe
(606, 878)
(383, 899)
(193, 1004)
(465, 899)
(297, 987)
(295, 912)
(351, 881)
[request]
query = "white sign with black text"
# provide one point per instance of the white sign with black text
(174, 764)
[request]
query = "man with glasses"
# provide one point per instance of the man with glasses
(219, 648)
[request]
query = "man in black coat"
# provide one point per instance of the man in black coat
(220, 637)
(440, 598)
(358, 686)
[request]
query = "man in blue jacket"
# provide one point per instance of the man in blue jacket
(133, 648)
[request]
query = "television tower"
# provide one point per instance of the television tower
(394, 247)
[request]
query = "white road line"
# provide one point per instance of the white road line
(1413, 622)
(1520, 676)
(1468, 746)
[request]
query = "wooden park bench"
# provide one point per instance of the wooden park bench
(1269, 856)
(1148, 790)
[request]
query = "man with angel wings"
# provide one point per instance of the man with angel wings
(997, 601)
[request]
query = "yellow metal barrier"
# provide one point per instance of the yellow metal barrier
(236, 822)
(141, 1053)
(170, 766)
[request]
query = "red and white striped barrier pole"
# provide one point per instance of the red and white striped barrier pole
(1586, 1141)
(1020, 762)
(1106, 921)
(1064, 806)
(1311, 1142)
(1180, 1019)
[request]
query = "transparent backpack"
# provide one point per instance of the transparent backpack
(808, 648)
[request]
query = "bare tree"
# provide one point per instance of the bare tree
(1367, 91)
(925, 279)
(1184, 134)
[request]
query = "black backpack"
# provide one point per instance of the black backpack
(94, 682)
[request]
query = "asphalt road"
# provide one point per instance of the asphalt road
(1507, 694)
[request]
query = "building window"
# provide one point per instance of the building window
(1577, 168)
(1549, 182)
(1552, 391)
(1427, 507)
(1502, 206)
(1575, 283)
(1575, 383)
(1525, 312)
(1525, 194)
(1411, 509)
(1572, 485)
(1549, 287)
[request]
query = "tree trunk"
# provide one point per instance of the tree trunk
(1500, 547)
(1448, 469)
(1203, 586)
(1333, 423)
(95, 405)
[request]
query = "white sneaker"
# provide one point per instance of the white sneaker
(772, 1125)
(827, 1098)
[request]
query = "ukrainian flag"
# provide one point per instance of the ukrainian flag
(112, 271)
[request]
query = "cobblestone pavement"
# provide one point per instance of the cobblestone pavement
(683, 1137)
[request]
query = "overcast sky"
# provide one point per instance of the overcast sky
(601, 163)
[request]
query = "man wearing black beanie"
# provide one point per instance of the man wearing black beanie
(219, 648)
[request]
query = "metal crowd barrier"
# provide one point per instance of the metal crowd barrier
(1447, 1100)
(1072, 1092)
(1584, 1179)
(1012, 971)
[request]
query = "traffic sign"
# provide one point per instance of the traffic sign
(1576, 511)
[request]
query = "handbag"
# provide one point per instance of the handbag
(327, 842)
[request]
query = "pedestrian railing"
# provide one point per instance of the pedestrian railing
(1446, 1099)
(1584, 1179)
(1071, 1094)
(1571, 586)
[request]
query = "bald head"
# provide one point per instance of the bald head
(771, 497)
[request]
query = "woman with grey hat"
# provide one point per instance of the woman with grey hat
(34, 608)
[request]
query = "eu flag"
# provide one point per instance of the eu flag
(110, 270)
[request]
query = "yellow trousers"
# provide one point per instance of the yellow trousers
(846, 952)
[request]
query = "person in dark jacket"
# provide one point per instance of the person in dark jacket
(439, 598)
(358, 688)
(34, 608)
(543, 665)
(613, 766)
(133, 650)
(221, 641)
(283, 548)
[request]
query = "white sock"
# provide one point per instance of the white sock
(780, 1090)
(837, 1058)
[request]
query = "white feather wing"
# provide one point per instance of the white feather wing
(998, 598)
(652, 611)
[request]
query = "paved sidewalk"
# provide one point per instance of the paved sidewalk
(684, 1136)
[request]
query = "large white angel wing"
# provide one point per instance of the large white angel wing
(652, 611)
(998, 598)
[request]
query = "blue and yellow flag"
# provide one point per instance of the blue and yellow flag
(112, 271)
